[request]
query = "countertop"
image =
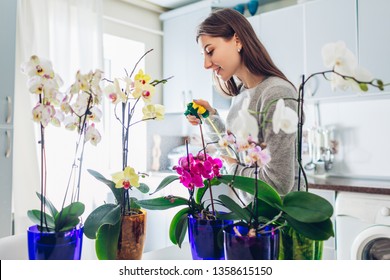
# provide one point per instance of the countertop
(341, 184)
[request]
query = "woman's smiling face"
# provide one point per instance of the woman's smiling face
(221, 56)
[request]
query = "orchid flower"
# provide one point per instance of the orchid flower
(153, 111)
(92, 135)
(284, 118)
(245, 124)
(338, 57)
(126, 179)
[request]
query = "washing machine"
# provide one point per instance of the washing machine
(362, 226)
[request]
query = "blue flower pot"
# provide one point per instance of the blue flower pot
(265, 246)
(55, 245)
(206, 238)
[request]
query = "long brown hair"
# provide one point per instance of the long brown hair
(227, 22)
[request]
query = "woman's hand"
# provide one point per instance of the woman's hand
(229, 160)
(194, 120)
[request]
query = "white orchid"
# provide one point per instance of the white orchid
(92, 135)
(340, 59)
(284, 118)
(245, 124)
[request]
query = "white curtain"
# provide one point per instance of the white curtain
(69, 33)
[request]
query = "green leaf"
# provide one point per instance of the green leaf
(143, 188)
(134, 203)
(35, 217)
(106, 244)
(227, 216)
(265, 192)
(68, 217)
(199, 193)
(264, 210)
(306, 207)
(165, 182)
(162, 203)
(48, 204)
(107, 214)
(315, 231)
(116, 191)
(242, 213)
(177, 226)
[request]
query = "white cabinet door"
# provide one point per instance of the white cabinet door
(7, 79)
(328, 21)
(281, 32)
(374, 38)
(199, 79)
(183, 60)
(175, 64)
(329, 252)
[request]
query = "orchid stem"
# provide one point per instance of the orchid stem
(219, 135)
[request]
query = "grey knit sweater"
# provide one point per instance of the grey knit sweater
(281, 171)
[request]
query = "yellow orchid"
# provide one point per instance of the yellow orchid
(153, 111)
(141, 77)
(126, 179)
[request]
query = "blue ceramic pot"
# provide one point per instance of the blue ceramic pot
(206, 238)
(265, 246)
(55, 245)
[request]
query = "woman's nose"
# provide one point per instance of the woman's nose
(207, 63)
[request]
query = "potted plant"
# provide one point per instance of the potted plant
(120, 227)
(198, 173)
(300, 219)
(57, 234)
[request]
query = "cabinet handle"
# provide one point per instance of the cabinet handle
(8, 150)
(183, 99)
(190, 95)
(9, 114)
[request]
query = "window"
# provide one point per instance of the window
(120, 57)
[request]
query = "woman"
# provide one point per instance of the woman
(242, 68)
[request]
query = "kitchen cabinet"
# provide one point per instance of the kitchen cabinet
(7, 79)
(327, 21)
(182, 58)
(281, 32)
(329, 252)
(374, 38)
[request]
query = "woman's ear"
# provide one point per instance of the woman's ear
(238, 42)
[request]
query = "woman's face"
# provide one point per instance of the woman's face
(221, 55)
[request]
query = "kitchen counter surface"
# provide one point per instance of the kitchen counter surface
(340, 184)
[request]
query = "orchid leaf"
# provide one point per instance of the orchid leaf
(242, 213)
(134, 203)
(265, 192)
(178, 226)
(35, 217)
(162, 203)
(116, 191)
(106, 244)
(48, 203)
(315, 231)
(106, 214)
(68, 217)
(199, 193)
(143, 188)
(165, 182)
(306, 207)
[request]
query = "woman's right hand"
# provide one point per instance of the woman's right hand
(194, 120)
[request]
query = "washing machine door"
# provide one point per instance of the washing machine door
(372, 244)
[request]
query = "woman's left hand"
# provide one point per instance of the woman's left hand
(229, 160)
